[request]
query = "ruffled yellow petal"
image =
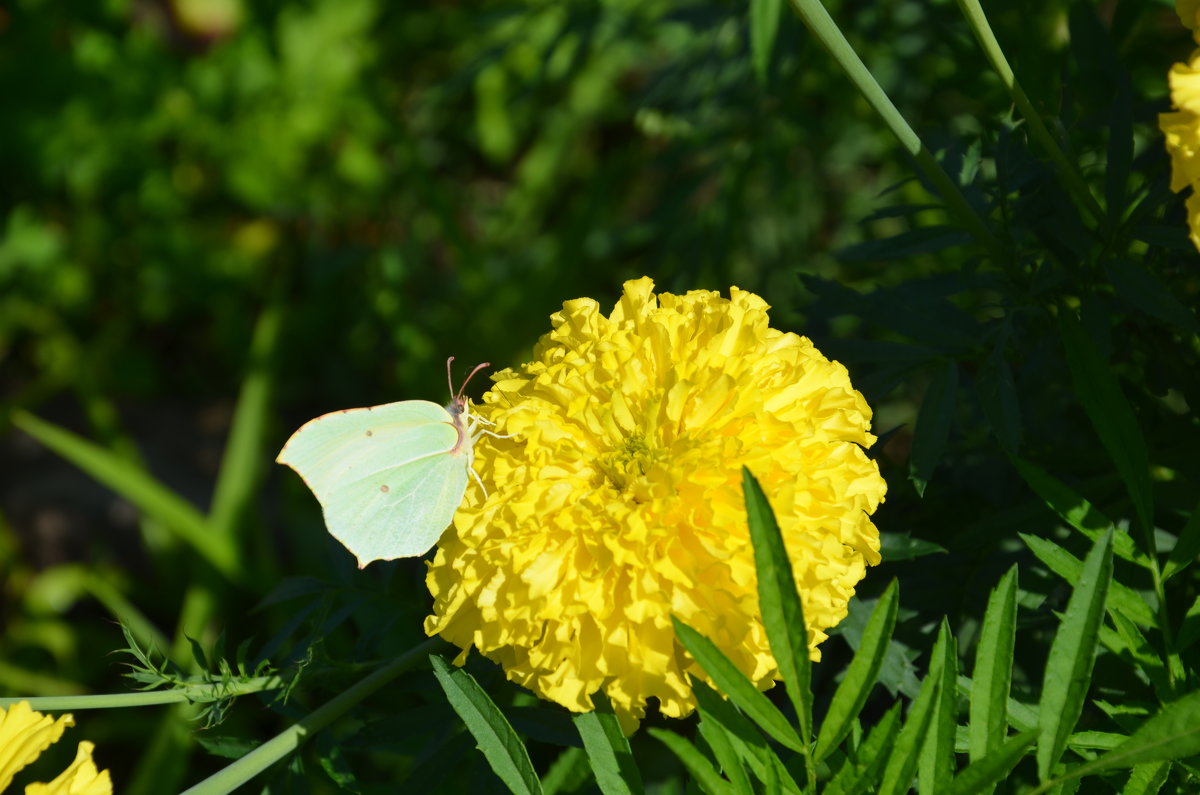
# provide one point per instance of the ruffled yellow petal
(81, 778)
(613, 498)
(24, 735)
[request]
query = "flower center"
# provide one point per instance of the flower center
(627, 463)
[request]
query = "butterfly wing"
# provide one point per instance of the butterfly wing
(388, 477)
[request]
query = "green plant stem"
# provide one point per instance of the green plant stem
(287, 741)
(199, 692)
(1068, 170)
(823, 27)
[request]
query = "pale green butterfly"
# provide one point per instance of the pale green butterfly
(389, 478)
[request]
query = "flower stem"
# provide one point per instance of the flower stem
(282, 744)
(1068, 171)
(823, 27)
(196, 693)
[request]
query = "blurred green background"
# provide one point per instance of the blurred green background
(395, 183)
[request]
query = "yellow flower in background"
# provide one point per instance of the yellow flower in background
(615, 501)
(25, 734)
(1181, 132)
(1189, 13)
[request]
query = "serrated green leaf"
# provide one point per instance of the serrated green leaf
(1064, 564)
(905, 754)
(1077, 512)
(1072, 656)
(851, 695)
(501, 746)
(998, 396)
(748, 741)
(984, 774)
(933, 425)
(731, 763)
(1140, 289)
(734, 684)
(863, 771)
(1147, 779)
(764, 27)
(608, 750)
(1174, 733)
(1187, 547)
(782, 611)
(992, 676)
(935, 766)
(702, 770)
(1101, 397)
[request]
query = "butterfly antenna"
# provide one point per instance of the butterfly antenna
(458, 396)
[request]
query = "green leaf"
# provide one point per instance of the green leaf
(983, 774)
(1072, 655)
(1140, 653)
(782, 612)
(935, 766)
(992, 677)
(1064, 564)
(139, 487)
(905, 754)
(500, 745)
(731, 762)
(608, 751)
(933, 424)
(1187, 546)
(1100, 395)
(902, 546)
(1189, 627)
(1138, 287)
(1174, 733)
(1147, 779)
(863, 772)
(1120, 148)
(764, 27)
(749, 743)
(998, 397)
(697, 764)
(734, 684)
(861, 674)
(1077, 512)
(567, 773)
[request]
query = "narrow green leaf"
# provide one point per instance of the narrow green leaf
(861, 674)
(1077, 512)
(764, 27)
(608, 751)
(1100, 395)
(1187, 546)
(863, 772)
(243, 463)
(1142, 655)
(568, 773)
(1120, 148)
(1189, 627)
(935, 765)
(998, 397)
(734, 684)
(782, 612)
(1072, 655)
(984, 774)
(933, 424)
(992, 676)
(1147, 778)
(1141, 289)
(136, 485)
(748, 741)
(731, 763)
(905, 754)
(499, 743)
(1174, 733)
(1064, 564)
(702, 770)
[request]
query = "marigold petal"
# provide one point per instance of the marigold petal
(80, 778)
(24, 735)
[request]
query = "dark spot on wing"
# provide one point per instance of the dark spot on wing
(370, 433)
(384, 488)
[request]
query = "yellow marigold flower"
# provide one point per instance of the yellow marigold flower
(25, 734)
(1181, 133)
(1189, 13)
(613, 499)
